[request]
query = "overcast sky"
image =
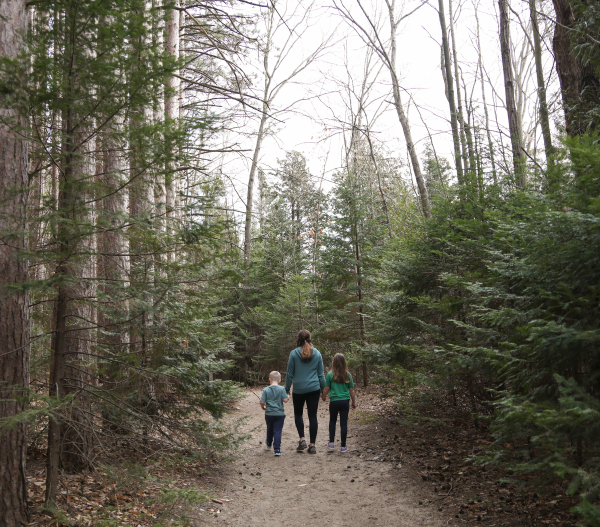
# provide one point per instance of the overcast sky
(314, 125)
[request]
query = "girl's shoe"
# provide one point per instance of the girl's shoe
(331, 446)
(302, 445)
(312, 449)
(277, 452)
(344, 450)
(268, 445)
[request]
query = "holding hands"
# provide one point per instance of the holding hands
(352, 396)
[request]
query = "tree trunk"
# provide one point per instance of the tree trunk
(509, 88)
(14, 305)
(251, 178)
(544, 120)
(113, 264)
(172, 100)
(410, 146)
(485, 109)
(450, 91)
(576, 80)
(70, 441)
(461, 118)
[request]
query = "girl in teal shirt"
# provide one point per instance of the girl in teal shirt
(339, 386)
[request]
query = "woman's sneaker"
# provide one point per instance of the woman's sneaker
(331, 447)
(312, 449)
(301, 445)
(344, 450)
(277, 452)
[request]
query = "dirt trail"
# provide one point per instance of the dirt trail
(299, 489)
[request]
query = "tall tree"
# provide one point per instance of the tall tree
(518, 153)
(541, 83)
(371, 34)
(446, 65)
(14, 303)
(579, 76)
(485, 106)
(275, 53)
(465, 127)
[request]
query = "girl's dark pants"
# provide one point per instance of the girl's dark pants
(312, 405)
(274, 429)
(342, 408)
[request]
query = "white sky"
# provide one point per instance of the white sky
(313, 128)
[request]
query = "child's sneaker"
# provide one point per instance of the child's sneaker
(331, 447)
(267, 445)
(344, 450)
(277, 452)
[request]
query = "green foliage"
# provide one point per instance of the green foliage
(503, 307)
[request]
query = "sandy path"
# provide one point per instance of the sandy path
(298, 489)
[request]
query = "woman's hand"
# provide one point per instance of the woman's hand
(324, 397)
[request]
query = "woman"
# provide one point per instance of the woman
(305, 370)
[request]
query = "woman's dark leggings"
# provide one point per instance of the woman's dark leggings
(312, 405)
(343, 408)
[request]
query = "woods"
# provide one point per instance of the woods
(185, 185)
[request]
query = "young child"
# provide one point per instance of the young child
(339, 385)
(271, 401)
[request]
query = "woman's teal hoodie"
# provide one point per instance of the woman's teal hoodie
(306, 376)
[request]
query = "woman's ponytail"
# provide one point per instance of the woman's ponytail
(305, 343)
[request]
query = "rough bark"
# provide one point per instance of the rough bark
(266, 100)
(113, 264)
(509, 89)
(578, 83)
(450, 91)
(70, 440)
(14, 310)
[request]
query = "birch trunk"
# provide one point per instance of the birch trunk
(450, 90)
(14, 308)
(410, 146)
(509, 88)
(539, 70)
(459, 110)
(172, 98)
(259, 139)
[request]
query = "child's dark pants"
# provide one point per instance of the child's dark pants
(312, 406)
(274, 429)
(342, 408)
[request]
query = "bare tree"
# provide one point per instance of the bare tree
(274, 56)
(485, 107)
(447, 70)
(541, 84)
(14, 308)
(465, 129)
(371, 33)
(509, 87)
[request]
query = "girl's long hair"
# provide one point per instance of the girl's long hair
(305, 343)
(339, 369)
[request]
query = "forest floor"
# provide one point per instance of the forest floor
(404, 469)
